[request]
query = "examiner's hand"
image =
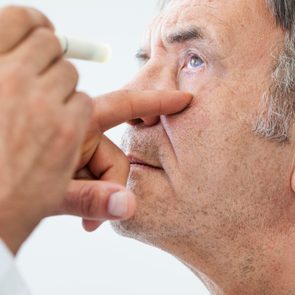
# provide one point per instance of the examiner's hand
(94, 200)
(42, 122)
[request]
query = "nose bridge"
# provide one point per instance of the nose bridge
(153, 76)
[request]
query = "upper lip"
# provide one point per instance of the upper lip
(136, 160)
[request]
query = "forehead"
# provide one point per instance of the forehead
(231, 17)
(225, 9)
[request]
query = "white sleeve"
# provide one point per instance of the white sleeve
(11, 283)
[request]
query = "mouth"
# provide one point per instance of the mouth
(140, 163)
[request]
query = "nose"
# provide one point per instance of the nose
(153, 76)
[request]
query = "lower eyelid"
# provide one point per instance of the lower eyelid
(187, 71)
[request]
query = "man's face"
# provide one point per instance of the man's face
(217, 181)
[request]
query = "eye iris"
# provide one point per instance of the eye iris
(195, 62)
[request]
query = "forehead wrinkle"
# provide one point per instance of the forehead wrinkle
(218, 28)
(186, 14)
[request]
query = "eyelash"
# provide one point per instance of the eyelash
(187, 58)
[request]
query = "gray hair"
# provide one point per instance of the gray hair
(277, 111)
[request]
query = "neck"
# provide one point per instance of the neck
(259, 266)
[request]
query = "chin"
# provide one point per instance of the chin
(148, 223)
(159, 218)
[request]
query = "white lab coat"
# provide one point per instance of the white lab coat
(11, 283)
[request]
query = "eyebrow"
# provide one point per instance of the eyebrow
(179, 37)
(185, 35)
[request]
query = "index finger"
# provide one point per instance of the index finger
(118, 107)
(16, 22)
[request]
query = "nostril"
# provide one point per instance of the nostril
(135, 122)
(151, 121)
(147, 121)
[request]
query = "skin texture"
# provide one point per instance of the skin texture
(222, 201)
(101, 160)
(49, 131)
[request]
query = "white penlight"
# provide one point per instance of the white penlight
(85, 50)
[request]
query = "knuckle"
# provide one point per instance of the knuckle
(41, 33)
(90, 205)
(10, 10)
(86, 104)
(70, 71)
(54, 43)
(47, 39)
(20, 14)
(19, 21)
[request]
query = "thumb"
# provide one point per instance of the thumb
(98, 201)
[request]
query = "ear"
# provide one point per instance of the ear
(293, 180)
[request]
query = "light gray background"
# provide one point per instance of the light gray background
(60, 258)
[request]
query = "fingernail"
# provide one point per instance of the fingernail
(118, 204)
(189, 94)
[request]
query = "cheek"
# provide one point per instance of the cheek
(186, 129)
(193, 81)
(188, 134)
(207, 138)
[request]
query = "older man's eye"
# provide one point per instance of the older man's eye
(194, 62)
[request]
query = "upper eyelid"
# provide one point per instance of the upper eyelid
(189, 53)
